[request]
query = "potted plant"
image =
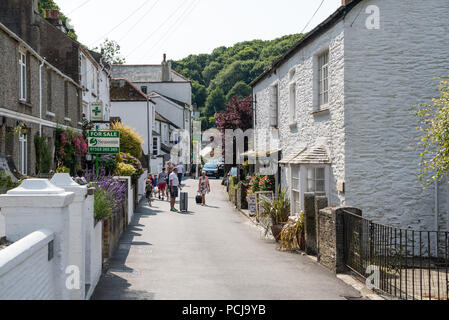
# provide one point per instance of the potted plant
(276, 212)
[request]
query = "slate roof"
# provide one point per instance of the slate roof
(313, 155)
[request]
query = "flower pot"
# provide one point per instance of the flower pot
(276, 231)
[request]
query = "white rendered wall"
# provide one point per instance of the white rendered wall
(181, 91)
(311, 130)
(25, 271)
(387, 71)
(134, 114)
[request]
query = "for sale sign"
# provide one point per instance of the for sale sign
(104, 142)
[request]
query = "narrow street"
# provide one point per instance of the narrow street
(212, 252)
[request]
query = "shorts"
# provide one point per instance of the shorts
(174, 193)
(162, 186)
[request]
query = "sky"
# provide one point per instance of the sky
(145, 29)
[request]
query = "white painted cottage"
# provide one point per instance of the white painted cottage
(341, 102)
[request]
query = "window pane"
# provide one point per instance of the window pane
(310, 174)
(319, 173)
(319, 186)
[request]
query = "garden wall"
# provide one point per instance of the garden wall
(26, 272)
(56, 247)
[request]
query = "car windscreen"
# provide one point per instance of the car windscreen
(210, 166)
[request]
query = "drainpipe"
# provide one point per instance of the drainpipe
(40, 95)
(437, 209)
(148, 133)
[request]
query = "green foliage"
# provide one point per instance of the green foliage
(50, 4)
(109, 163)
(240, 89)
(102, 204)
(111, 52)
(130, 140)
(127, 158)
(62, 169)
(43, 154)
(70, 149)
(230, 68)
(6, 182)
(276, 211)
(124, 170)
(435, 140)
(215, 102)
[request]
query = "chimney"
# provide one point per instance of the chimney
(346, 2)
(165, 70)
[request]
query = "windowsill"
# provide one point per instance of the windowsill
(321, 111)
(67, 119)
(25, 103)
(293, 125)
(50, 114)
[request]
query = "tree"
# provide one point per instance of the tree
(237, 115)
(211, 71)
(434, 120)
(215, 102)
(240, 90)
(199, 94)
(111, 52)
(130, 141)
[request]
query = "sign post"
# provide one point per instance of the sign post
(103, 142)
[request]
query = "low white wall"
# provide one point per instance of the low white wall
(2, 225)
(141, 184)
(25, 270)
(95, 258)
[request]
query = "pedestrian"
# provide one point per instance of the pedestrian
(162, 180)
(155, 179)
(203, 187)
(169, 172)
(180, 168)
(174, 186)
(149, 188)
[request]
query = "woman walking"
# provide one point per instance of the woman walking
(203, 187)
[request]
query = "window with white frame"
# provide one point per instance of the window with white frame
(316, 180)
(155, 147)
(323, 78)
(274, 104)
(296, 190)
(23, 75)
(23, 154)
(292, 102)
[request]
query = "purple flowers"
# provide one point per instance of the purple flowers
(114, 189)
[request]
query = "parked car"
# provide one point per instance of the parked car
(212, 170)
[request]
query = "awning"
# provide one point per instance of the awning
(260, 153)
(313, 155)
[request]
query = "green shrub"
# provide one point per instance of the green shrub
(130, 140)
(6, 182)
(102, 205)
(43, 154)
(125, 170)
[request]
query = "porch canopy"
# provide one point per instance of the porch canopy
(312, 155)
(253, 154)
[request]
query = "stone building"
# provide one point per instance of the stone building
(35, 97)
(340, 102)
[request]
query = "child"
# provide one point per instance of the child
(149, 188)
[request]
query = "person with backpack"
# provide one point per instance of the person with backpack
(203, 187)
(162, 183)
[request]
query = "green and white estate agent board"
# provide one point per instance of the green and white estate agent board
(103, 142)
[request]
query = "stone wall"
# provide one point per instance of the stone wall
(309, 128)
(387, 71)
(331, 249)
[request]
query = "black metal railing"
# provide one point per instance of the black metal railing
(403, 263)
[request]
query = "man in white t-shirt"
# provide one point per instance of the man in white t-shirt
(180, 168)
(173, 187)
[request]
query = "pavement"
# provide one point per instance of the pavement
(209, 253)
